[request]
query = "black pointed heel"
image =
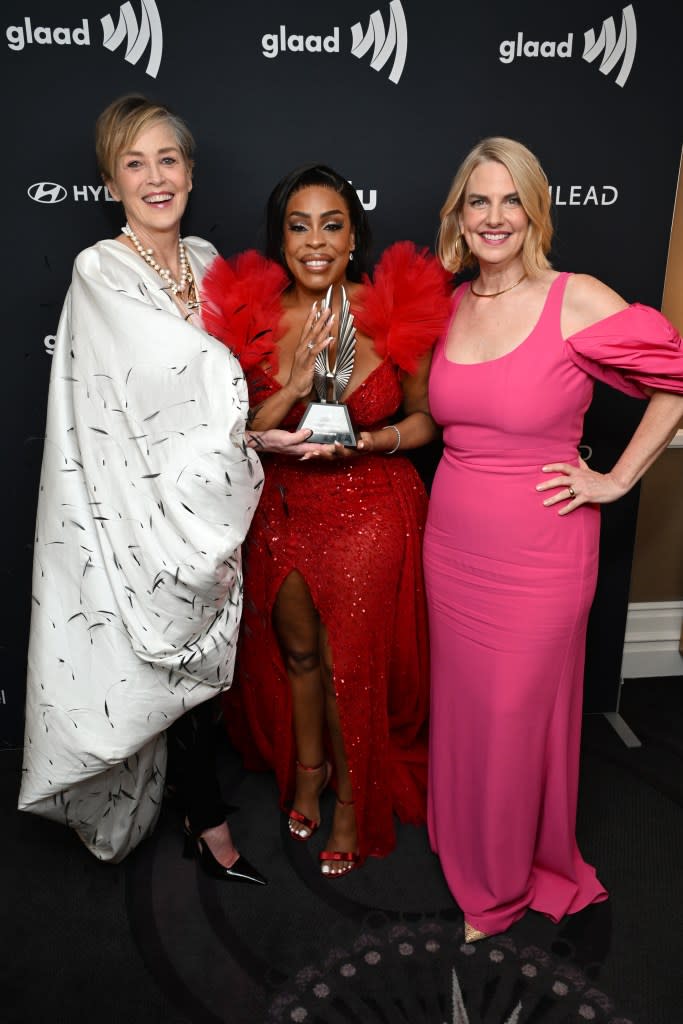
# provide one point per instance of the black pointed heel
(240, 871)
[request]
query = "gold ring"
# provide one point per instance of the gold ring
(572, 492)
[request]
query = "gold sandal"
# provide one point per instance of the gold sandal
(473, 934)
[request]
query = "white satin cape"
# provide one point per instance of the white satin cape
(147, 491)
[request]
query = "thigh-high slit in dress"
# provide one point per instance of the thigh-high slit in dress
(353, 529)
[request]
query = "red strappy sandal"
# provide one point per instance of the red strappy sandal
(348, 858)
(297, 820)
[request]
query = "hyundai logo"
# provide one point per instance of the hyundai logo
(47, 192)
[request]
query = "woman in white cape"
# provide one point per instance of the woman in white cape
(148, 486)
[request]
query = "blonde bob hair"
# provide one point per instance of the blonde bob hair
(532, 188)
(122, 121)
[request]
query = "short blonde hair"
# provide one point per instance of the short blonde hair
(531, 185)
(122, 121)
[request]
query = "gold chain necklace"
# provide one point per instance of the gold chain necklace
(192, 302)
(492, 295)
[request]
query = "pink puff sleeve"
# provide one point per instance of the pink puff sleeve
(634, 348)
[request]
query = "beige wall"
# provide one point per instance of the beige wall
(658, 555)
(672, 303)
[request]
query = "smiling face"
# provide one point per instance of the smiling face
(153, 180)
(492, 220)
(317, 237)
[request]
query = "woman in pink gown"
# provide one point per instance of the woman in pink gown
(510, 556)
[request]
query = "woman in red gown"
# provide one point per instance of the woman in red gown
(332, 676)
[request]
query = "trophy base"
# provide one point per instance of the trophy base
(330, 422)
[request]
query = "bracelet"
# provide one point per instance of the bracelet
(390, 426)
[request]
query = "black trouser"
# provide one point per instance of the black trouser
(192, 766)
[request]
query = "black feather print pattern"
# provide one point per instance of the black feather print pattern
(137, 587)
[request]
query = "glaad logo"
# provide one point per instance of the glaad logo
(607, 44)
(386, 43)
(612, 47)
(394, 41)
(273, 44)
(51, 192)
(47, 192)
(136, 38)
(19, 36)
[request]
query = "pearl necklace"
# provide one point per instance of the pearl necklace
(163, 272)
(492, 295)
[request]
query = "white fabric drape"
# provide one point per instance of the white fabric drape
(147, 491)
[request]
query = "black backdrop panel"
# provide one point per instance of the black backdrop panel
(396, 118)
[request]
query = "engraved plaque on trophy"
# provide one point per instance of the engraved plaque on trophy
(328, 418)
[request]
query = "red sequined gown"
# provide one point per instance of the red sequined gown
(353, 529)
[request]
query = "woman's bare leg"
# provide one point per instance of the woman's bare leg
(296, 625)
(344, 834)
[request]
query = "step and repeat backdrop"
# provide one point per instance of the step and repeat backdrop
(392, 93)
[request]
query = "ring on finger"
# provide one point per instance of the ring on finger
(572, 492)
(309, 346)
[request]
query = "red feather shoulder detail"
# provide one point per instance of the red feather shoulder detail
(241, 306)
(406, 306)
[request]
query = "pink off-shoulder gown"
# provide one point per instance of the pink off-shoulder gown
(509, 587)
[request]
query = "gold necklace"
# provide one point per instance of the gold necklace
(492, 295)
(192, 302)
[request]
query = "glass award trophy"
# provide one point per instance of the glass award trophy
(328, 418)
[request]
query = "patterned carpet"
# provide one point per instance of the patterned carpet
(155, 940)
